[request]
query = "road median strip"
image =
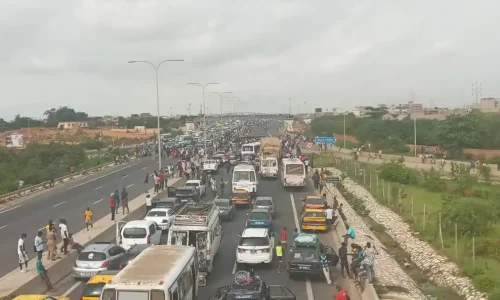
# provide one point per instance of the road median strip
(17, 283)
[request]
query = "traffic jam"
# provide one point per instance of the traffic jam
(178, 250)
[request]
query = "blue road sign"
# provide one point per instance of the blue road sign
(324, 139)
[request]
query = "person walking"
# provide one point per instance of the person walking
(329, 216)
(125, 201)
(63, 227)
(344, 263)
(116, 195)
(51, 244)
(341, 294)
(88, 218)
(284, 237)
(40, 268)
(38, 243)
(369, 260)
(112, 206)
(149, 203)
(279, 254)
(156, 180)
(21, 252)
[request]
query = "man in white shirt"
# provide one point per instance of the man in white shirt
(149, 203)
(21, 252)
(63, 227)
(329, 216)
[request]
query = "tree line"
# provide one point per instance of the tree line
(453, 134)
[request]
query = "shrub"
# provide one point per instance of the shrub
(473, 218)
(433, 182)
(396, 172)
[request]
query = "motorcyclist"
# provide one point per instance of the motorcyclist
(222, 186)
(315, 179)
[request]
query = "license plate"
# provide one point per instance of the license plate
(304, 267)
(259, 223)
(253, 251)
(87, 274)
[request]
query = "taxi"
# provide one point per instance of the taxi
(241, 197)
(313, 219)
(40, 297)
(315, 202)
(94, 286)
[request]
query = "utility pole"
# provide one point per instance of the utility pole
(477, 91)
(189, 109)
(289, 107)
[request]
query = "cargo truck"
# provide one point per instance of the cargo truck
(270, 151)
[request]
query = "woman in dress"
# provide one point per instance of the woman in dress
(51, 244)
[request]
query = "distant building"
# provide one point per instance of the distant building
(488, 105)
(14, 140)
(72, 125)
(190, 126)
(359, 111)
(146, 115)
(404, 108)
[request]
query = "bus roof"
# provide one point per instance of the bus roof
(251, 144)
(243, 167)
(291, 161)
(156, 265)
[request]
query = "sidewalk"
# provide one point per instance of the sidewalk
(17, 283)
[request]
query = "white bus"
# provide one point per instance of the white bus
(251, 148)
(245, 178)
(293, 172)
(158, 273)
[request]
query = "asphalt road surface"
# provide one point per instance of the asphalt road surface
(68, 201)
(225, 265)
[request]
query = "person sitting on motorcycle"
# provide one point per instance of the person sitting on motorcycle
(315, 179)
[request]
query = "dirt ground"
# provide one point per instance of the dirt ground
(75, 136)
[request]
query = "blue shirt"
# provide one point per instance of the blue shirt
(38, 243)
(351, 232)
(295, 235)
(39, 266)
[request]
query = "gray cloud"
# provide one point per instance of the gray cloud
(325, 53)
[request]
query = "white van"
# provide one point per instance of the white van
(245, 178)
(293, 172)
(137, 232)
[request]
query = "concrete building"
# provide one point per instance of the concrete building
(488, 105)
(72, 125)
(404, 108)
(14, 140)
(359, 111)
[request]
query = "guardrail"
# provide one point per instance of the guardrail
(47, 184)
(105, 150)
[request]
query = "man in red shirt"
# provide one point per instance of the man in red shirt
(112, 206)
(341, 294)
(283, 238)
(162, 179)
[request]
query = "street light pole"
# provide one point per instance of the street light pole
(415, 134)
(156, 68)
(203, 86)
(221, 95)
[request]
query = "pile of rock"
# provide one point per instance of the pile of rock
(438, 267)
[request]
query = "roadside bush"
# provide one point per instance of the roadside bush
(473, 218)
(93, 144)
(433, 182)
(485, 247)
(396, 172)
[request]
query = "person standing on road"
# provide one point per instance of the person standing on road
(51, 244)
(63, 227)
(88, 218)
(329, 216)
(39, 242)
(116, 195)
(149, 203)
(344, 263)
(125, 201)
(21, 252)
(112, 206)
(40, 268)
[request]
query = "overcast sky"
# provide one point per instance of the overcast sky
(318, 53)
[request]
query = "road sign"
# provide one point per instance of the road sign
(324, 140)
(309, 145)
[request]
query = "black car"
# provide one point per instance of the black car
(257, 289)
(169, 202)
(226, 208)
(122, 261)
(187, 193)
(306, 260)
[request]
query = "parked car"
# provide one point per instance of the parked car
(170, 202)
(200, 186)
(95, 258)
(162, 216)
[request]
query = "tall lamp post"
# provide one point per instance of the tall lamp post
(156, 68)
(221, 95)
(203, 86)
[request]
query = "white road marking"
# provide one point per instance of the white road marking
(124, 176)
(3, 227)
(144, 168)
(235, 267)
(130, 185)
(102, 176)
(97, 201)
(59, 204)
(43, 228)
(309, 291)
(72, 288)
(9, 209)
(98, 188)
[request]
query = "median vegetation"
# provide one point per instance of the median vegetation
(459, 216)
(454, 134)
(38, 163)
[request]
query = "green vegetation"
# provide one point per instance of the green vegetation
(440, 209)
(39, 163)
(455, 133)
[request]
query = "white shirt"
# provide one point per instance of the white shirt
(148, 201)
(64, 230)
(20, 245)
(329, 213)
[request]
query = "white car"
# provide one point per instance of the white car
(210, 165)
(198, 184)
(256, 246)
(161, 216)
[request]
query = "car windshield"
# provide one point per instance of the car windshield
(157, 213)
(315, 201)
(259, 215)
(294, 169)
(134, 233)
(195, 184)
(165, 204)
(222, 203)
(240, 195)
(263, 202)
(306, 255)
(254, 241)
(184, 192)
(93, 290)
(314, 214)
(91, 256)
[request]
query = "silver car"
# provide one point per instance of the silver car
(95, 258)
(266, 202)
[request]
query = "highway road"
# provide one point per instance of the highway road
(68, 201)
(288, 202)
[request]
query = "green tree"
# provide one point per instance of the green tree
(64, 114)
(460, 131)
